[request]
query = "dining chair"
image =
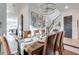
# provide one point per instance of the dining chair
(59, 47)
(3, 41)
(43, 31)
(36, 32)
(26, 34)
(49, 45)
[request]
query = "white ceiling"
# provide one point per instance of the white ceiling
(61, 6)
(14, 8)
(42, 8)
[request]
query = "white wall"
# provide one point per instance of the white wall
(12, 23)
(3, 18)
(26, 18)
(75, 17)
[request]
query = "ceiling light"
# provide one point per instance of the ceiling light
(66, 7)
(47, 8)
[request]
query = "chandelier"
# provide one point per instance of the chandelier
(47, 8)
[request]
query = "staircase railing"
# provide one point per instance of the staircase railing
(54, 22)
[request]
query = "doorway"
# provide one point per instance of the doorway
(21, 26)
(68, 26)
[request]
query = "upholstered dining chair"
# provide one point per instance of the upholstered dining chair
(26, 34)
(3, 41)
(59, 47)
(36, 32)
(49, 45)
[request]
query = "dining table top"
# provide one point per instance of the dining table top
(29, 41)
(32, 39)
(36, 45)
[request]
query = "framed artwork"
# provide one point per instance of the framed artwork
(37, 20)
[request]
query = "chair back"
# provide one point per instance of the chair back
(49, 44)
(54, 43)
(59, 43)
(26, 33)
(6, 49)
(61, 49)
(36, 32)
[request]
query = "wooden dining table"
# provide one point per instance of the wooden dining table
(35, 48)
